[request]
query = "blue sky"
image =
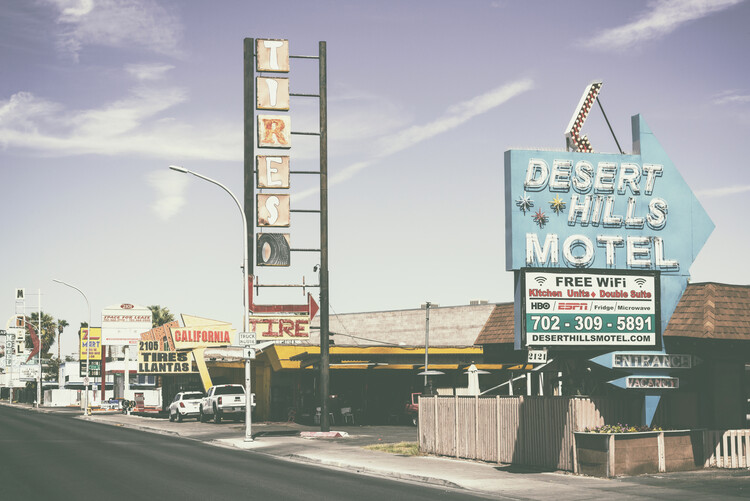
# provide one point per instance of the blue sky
(97, 98)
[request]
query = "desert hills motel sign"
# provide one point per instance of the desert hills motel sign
(601, 244)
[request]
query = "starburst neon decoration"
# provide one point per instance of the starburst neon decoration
(540, 218)
(557, 204)
(524, 203)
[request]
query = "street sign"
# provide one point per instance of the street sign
(249, 353)
(247, 338)
(647, 382)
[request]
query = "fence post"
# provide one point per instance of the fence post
(497, 413)
(661, 454)
(455, 426)
(476, 427)
(437, 424)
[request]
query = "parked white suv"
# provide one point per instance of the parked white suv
(185, 404)
(223, 400)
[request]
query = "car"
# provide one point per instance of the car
(412, 409)
(185, 404)
(223, 400)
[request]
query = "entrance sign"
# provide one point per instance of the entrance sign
(123, 324)
(646, 360)
(589, 308)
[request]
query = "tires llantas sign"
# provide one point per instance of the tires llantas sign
(608, 212)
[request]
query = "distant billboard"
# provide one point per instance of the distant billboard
(123, 324)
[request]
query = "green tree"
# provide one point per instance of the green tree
(46, 332)
(160, 316)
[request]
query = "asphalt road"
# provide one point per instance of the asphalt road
(55, 456)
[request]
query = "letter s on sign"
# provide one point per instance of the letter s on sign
(273, 213)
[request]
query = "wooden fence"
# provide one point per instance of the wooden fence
(523, 430)
(538, 431)
(727, 449)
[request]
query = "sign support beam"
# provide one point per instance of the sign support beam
(324, 327)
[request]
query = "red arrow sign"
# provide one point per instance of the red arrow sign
(311, 308)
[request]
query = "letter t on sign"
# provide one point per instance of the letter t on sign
(272, 55)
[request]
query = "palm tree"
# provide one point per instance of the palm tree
(61, 324)
(45, 330)
(160, 316)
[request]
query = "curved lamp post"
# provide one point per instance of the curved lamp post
(245, 297)
(88, 347)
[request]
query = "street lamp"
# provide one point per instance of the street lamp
(245, 297)
(88, 343)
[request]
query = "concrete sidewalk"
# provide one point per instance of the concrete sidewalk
(282, 440)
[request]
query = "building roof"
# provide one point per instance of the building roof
(499, 327)
(712, 311)
(706, 310)
(454, 326)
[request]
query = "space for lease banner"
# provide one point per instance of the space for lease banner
(591, 308)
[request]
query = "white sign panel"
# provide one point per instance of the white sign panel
(572, 308)
(123, 324)
(29, 372)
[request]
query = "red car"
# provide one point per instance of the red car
(412, 409)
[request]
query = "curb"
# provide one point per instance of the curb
(376, 472)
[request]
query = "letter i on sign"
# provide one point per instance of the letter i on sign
(272, 93)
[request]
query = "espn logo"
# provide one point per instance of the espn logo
(572, 306)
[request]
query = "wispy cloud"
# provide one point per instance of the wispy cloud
(138, 124)
(662, 18)
(722, 192)
(116, 23)
(731, 97)
(148, 71)
(170, 192)
(453, 117)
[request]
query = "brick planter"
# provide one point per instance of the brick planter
(619, 454)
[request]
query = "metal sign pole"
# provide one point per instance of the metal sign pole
(249, 145)
(324, 359)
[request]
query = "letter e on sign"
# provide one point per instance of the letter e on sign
(272, 55)
(273, 171)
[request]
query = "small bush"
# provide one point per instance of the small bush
(403, 448)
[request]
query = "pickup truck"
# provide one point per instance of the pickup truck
(223, 400)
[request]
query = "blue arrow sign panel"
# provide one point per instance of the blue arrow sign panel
(604, 211)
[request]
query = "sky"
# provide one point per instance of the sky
(99, 97)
